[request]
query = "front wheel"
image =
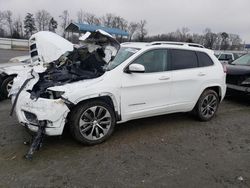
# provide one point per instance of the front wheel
(207, 105)
(6, 86)
(92, 122)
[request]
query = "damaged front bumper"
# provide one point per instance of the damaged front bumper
(52, 112)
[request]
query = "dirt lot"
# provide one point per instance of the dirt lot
(166, 151)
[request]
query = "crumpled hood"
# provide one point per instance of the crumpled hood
(68, 88)
(14, 69)
(56, 62)
(47, 46)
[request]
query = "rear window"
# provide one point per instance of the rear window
(204, 59)
(183, 59)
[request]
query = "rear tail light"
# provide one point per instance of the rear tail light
(224, 68)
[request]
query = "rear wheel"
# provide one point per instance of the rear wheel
(6, 86)
(207, 105)
(92, 122)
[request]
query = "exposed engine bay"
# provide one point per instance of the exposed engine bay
(86, 61)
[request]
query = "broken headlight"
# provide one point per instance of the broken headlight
(246, 82)
(52, 94)
(57, 94)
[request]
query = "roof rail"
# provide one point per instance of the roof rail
(177, 43)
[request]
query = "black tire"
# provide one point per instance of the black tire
(77, 114)
(4, 86)
(207, 105)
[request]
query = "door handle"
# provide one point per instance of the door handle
(201, 74)
(164, 78)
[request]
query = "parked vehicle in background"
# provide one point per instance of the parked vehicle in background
(238, 75)
(228, 56)
(8, 71)
(102, 83)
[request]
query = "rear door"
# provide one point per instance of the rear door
(187, 78)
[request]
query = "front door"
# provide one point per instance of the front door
(149, 93)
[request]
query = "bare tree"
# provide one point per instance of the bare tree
(2, 32)
(91, 19)
(80, 16)
(9, 20)
(142, 31)
(132, 29)
(1, 17)
(64, 21)
(17, 28)
(107, 19)
(42, 19)
(235, 41)
(88, 18)
(209, 38)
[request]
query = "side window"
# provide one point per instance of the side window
(229, 57)
(154, 60)
(183, 59)
(204, 59)
(225, 57)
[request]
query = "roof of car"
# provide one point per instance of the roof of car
(169, 44)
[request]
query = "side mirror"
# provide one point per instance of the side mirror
(136, 68)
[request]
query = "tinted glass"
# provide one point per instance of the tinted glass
(225, 57)
(183, 59)
(243, 60)
(153, 61)
(204, 59)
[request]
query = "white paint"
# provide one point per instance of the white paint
(49, 46)
(134, 95)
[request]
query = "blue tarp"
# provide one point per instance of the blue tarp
(77, 27)
(247, 46)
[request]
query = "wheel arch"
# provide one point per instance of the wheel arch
(217, 89)
(108, 98)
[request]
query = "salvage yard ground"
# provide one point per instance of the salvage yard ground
(165, 151)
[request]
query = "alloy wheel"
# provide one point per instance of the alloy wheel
(9, 86)
(209, 106)
(95, 122)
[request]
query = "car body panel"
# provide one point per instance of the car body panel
(48, 46)
(238, 76)
(134, 95)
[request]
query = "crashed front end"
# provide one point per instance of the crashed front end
(56, 62)
(52, 112)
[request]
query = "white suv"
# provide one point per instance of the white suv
(143, 80)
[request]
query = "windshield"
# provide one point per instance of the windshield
(123, 54)
(244, 60)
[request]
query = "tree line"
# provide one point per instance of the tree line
(209, 39)
(42, 20)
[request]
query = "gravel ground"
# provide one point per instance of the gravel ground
(165, 151)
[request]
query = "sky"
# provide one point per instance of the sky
(162, 16)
